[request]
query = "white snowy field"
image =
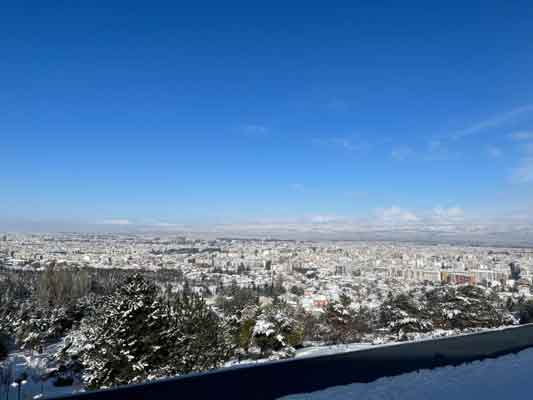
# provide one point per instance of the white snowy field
(506, 377)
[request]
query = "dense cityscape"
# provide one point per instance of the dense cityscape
(62, 296)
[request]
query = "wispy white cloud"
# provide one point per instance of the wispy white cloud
(443, 147)
(323, 219)
(438, 215)
(451, 213)
(116, 221)
(395, 214)
(521, 135)
(163, 224)
(342, 143)
(402, 153)
(494, 121)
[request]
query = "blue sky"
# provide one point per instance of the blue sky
(154, 112)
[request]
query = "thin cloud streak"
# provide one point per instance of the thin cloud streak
(342, 143)
(116, 221)
(494, 121)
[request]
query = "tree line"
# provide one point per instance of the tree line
(120, 328)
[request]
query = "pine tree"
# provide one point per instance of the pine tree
(123, 340)
(195, 338)
(137, 335)
(342, 323)
(405, 314)
(276, 331)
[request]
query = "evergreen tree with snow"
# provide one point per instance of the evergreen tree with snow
(342, 323)
(122, 341)
(276, 331)
(405, 314)
(195, 338)
(137, 335)
(464, 307)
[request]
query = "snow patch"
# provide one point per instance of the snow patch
(499, 378)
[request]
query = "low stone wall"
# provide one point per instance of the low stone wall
(274, 379)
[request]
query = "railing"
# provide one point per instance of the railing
(270, 380)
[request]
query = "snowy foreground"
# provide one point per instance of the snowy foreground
(35, 386)
(506, 377)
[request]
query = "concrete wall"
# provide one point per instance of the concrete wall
(275, 379)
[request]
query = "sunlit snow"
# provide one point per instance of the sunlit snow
(506, 377)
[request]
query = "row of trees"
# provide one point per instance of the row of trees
(142, 332)
(444, 307)
(122, 329)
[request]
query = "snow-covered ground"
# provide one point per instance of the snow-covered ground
(506, 377)
(417, 385)
(317, 349)
(333, 349)
(34, 387)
